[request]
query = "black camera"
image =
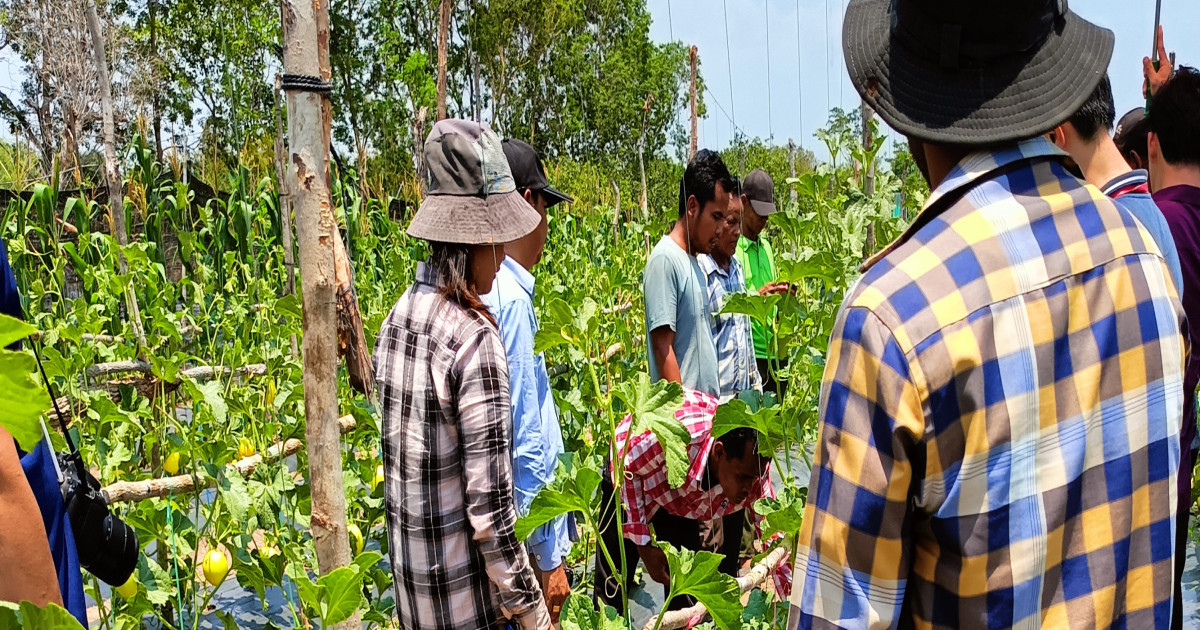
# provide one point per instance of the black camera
(107, 547)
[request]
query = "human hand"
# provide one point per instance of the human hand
(1155, 78)
(556, 589)
(773, 288)
(656, 564)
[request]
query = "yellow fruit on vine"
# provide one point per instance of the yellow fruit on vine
(356, 539)
(171, 466)
(245, 448)
(129, 588)
(378, 478)
(216, 566)
(268, 551)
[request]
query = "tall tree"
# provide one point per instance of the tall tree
(306, 53)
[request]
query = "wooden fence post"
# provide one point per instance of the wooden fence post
(306, 56)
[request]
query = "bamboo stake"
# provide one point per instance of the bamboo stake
(131, 491)
(306, 53)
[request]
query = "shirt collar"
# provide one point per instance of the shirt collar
(1138, 177)
(708, 265)
(520, 274)
(969, 170)
(426, 274)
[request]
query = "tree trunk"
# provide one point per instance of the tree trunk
(443, 37)
(112, 167)
(285, 205)
(156, 104)
(306, 52)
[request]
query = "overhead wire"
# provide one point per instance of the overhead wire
(729, 62)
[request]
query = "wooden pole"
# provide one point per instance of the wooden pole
(112, 166)
(792, 166)
(641, 147)
(692, 55)
(868, 171)
(443, 37)
(285, 204)
(306, 53)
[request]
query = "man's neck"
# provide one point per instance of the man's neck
(679, 234)
(1176, 175)
(1100, 161)
(721, 259)
(522, 255)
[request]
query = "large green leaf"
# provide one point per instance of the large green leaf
(579, 614)
(25, 400)
(209, 392)
(736, 414)
(573, 490)
(785, 513)
(697, 573)
(29, 615)
(760, 308)
(653, 407)
(341, 594)
(159, 586)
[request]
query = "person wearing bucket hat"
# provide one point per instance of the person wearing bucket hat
(537, 436)
(1002, 398)
(443, 383)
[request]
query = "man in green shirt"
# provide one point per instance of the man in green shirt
(758, 264)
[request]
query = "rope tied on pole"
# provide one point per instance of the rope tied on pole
(304, 83)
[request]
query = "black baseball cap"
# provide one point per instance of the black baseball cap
(1130, 134)
(760, 190)
(528, 172)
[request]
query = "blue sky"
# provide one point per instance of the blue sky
(796, 113)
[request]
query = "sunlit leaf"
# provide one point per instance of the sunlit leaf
(697, 573)
(573, 490)
(653, 407)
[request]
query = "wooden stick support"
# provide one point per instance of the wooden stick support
(676, 619)
(124, 491)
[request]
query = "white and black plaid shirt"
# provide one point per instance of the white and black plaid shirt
(447, 453)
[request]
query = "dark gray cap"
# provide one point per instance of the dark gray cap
(471, 197)
(760, 190)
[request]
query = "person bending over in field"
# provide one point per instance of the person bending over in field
(537, 436)
(725, 477)
(443, 382)
(679, 340)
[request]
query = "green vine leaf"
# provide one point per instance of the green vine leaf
(573, 490)
(653, 407)
(697, 573)
(25, 400)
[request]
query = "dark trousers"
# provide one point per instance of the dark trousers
(768, 377)
(677, 530)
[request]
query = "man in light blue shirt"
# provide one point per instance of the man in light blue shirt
(537, 437)
(736, 367)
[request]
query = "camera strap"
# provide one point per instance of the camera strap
(62, 421)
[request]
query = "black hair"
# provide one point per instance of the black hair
(704, 171)
(736, 441)
(1097, 114)
(1174, 116)
(1133, 140)
(451, 263)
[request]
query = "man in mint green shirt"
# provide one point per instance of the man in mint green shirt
(758, 264)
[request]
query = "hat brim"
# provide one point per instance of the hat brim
(1010, 100)
(498, 218)
(554, 196)
(763, 208)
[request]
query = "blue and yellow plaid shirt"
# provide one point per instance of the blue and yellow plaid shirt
(1000, 417)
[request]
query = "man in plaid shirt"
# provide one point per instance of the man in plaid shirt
(1000, 414)
(726, 477)
(736, 368)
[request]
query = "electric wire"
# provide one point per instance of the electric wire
(767, 28)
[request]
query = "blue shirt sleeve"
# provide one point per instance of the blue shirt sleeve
(531, 470)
